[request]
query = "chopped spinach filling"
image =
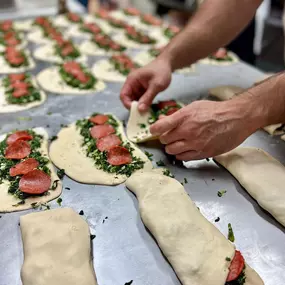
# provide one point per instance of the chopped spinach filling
(140, 38)
(154, 52)
(6, 164)
(121, 68)
(24, 63)
(169, 34)
(107, 47)
(69, 79)
(34, 93)
(73, 55)
(100, 157)
(156, 112)
(240, 281)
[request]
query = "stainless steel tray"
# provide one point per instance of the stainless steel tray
(123, 249)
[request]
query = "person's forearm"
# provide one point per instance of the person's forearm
(263, 104)
(215, 24)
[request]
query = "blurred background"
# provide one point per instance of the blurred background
(261, 44)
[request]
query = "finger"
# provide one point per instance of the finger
(191, 155)
(130, 91)
(172, 136)
(146, 100)
(178, 147)
(165, 124)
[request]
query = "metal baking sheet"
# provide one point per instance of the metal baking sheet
(123, 249)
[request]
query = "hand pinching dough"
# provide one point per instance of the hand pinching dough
(262, 176)
(56, 249)
(138, 127)
(198, 252)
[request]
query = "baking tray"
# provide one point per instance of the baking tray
(123, 249)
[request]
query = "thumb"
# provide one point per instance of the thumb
(165, 124)
(147, 98)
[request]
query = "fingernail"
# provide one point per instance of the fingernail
(142, 107)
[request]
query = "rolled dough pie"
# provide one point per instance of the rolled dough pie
(261, 175)
(196, 249)
(56, 249)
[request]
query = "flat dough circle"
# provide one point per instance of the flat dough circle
(7, 69)
(225, 92)
(47, 53)
(90, 48)
(66, 152)
(37, 37)
(5, 107)
(234, 57)
(50, 80)
(23, 25)
(7, 200)
(104, 70)
(143, 58)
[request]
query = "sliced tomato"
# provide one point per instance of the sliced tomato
(151, 20)
(16, 77)
(115, 46)
(71, 65)
(171, 103)
(6, 25)
(92, 28)
(20, 93)
(236, 267)
(17, 150)
(35, 182)
(73, 17)
(19, 135)
(66, 50)
(20, 85)
(82, 77)
(132, 11)
(102, 13)
(99, 119)
(100, 131)
(171, 111)
(12, 42)
(119, 155)
(221, 53)
(24, 167)
(108, 142)
(16, 60)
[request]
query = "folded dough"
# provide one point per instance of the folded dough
(134, 132)
(194, 247)
(56, 249)
(227, 92)
(262, 176)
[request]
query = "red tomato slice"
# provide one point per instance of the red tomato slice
(119, 155)
(99, 119)
(171, 103)
(17, 150)
(108, 142)
(236, 267)
(20, 93)
(19, 135)
(24, 167)
(35, 182)
(100, 131)
(16, 77)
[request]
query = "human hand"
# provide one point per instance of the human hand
(205, 129)
(145, 83)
